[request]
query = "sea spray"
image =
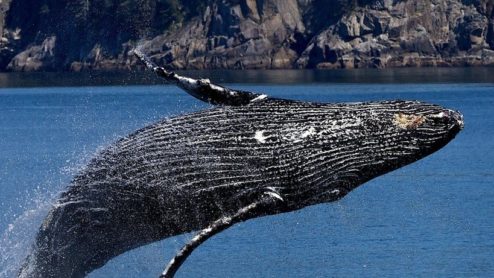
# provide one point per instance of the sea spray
(18, 236)
(16, 240)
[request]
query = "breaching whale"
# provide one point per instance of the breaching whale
(250, 155)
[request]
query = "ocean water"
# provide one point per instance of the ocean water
(434, 218)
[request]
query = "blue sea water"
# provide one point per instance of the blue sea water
(434, 218)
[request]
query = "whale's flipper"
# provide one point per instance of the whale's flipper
(202, 89)
(216, 227)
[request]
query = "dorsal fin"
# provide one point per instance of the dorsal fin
(202, 89)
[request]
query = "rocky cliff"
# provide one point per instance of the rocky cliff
(245, 34)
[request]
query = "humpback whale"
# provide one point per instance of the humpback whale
(248, 156)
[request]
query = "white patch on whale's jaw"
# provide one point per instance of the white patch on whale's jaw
(335, 192)
(311, 131)
(259, 136)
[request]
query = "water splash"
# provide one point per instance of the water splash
(17, 239)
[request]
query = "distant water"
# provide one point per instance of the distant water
(434, 218)
(395, 76)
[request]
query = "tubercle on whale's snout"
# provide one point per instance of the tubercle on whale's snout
(455, 118)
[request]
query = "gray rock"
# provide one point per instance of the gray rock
(36, 57)
(471, 31)
(403, 33)
(261, 34)
(237, 34)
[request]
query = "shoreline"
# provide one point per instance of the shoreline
(406, 75)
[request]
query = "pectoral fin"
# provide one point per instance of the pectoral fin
(202, 89)
(217, 227)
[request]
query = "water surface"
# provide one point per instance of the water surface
(389, 76)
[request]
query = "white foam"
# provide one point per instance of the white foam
(16, 241)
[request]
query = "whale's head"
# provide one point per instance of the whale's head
(345, 145)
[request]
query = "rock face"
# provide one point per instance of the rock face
(249, 34)
(7, 37)
(404, 33)
(36, 57)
